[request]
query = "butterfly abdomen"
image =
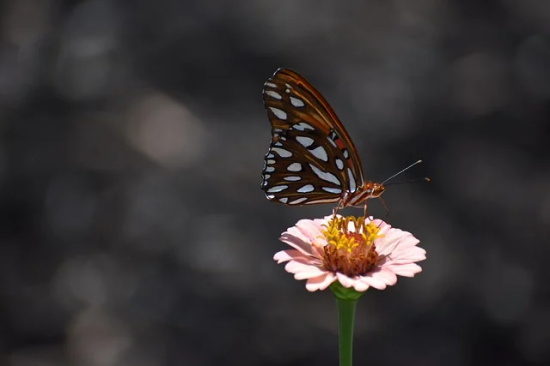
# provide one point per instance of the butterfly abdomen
(363, 193)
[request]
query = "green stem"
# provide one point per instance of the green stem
(346, 319)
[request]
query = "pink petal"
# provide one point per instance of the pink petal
(293, 238)
(286, 255)
(317, 248)
(321, 282)
(360, 286)
(311, 272)
(310, 228)
(413, 254)
(306, 237)
(384, 226)
(406, 270)
(295, 231)
(374, 282)
(385, 275)
(291, 254)
(404, 245)
(344, 280)
(295, 267)
(394, 239)
(385, 247)
(355, 282)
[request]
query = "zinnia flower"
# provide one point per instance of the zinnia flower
(357, 252)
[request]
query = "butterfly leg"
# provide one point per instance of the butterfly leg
(338, 207)
(365, 210)
(385, 207)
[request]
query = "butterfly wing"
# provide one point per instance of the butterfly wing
(311, 158)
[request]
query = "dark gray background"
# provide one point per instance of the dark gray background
(133, 228)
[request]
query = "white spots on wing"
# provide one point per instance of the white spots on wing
(276, 189)
(294, 167)
(273, 94)
(270, 196)
(346, 153)
(270, 156)
(292, 178)
(305, 189)
(352, 184)
(320, 153)
(296, 102)
(267, 176)
(283, 200)
(332, 190)
(278, 143)
(270, 161)
(279, 113)
(271, 85)
(302, 126)
(269, 169)
(288, 86)
(282, 152)
(287, 91)
(332, 142)
(339, 164)
(326, 176)
(304, 141)
(298, 201)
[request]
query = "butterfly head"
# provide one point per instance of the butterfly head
(377, 190)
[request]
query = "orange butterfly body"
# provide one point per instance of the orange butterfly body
(312, 158)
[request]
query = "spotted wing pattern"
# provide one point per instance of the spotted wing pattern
(311, 158)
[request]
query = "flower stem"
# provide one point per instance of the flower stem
(346, 319)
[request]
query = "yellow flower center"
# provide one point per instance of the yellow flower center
(350, 245)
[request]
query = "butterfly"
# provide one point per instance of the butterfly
(311, 159)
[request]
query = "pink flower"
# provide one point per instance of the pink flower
(357, 252)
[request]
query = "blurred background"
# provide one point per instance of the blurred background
(133, 228)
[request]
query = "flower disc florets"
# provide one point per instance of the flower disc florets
(350, 247)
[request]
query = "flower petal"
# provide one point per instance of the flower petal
(306, 236)
(310, 228)
(321, 282)
(292, 254)
(360, 286)
(386, 275)
(406, 270)
(293, 237)
(344, 280)
(413, 254)
(394, 239)
(310, 272)
(374, 282)
(296, 266)
(285, 255)
(382, 225)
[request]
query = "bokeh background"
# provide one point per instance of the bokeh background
(133, 228)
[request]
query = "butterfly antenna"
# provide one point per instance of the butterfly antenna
(403, 170)
(425, 179)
